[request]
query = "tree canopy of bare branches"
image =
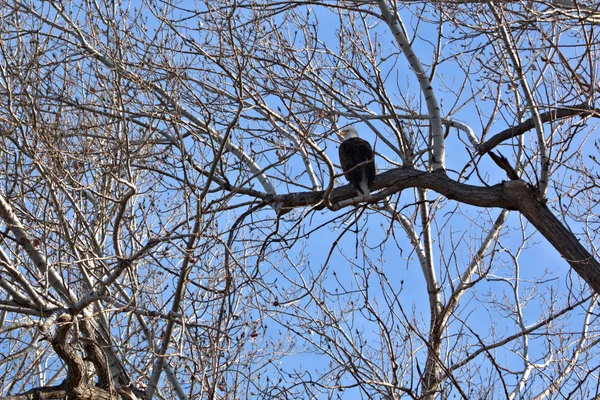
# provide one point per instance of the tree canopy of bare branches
(174, 222)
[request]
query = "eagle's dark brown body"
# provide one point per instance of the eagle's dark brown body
(358, 164)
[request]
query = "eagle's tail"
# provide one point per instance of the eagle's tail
(364, 188)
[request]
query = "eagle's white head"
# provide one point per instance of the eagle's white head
(348, 133)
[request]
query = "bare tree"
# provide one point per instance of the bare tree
(174, 225)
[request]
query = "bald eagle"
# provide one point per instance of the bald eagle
(357, 161)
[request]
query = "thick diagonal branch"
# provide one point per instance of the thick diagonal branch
(513, 195)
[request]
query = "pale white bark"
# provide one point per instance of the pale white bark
(37, 258)
(529, 97)
(438, 153)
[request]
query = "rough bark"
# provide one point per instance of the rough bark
(84, 392)
(534, 208)
(97, 357)
(398, 179)
(73, 387)
(66, 351)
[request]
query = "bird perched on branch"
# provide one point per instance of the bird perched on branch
(357, 160)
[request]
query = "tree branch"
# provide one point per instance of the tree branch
(582, 110)
(513, 195)
(437, 136)
(398, 179)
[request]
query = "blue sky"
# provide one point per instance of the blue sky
(322, 265)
